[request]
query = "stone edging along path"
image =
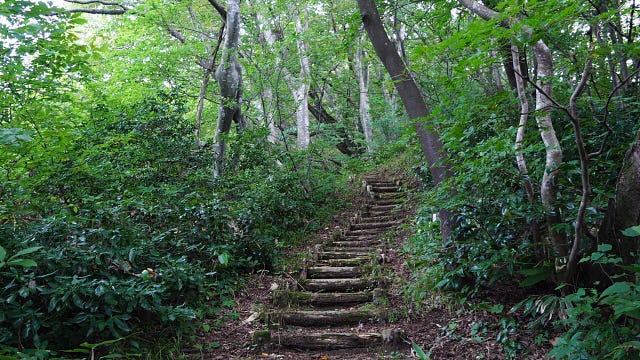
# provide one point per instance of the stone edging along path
(336, 304)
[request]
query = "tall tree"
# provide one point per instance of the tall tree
(229, 78)
(414, 103)
(362, 71)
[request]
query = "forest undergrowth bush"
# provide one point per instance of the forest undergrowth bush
(127, 233)
(492, 246)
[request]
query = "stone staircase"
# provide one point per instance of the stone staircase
(336, 303)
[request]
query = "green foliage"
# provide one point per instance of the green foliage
(130, 228)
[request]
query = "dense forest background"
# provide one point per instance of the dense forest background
(154, 153)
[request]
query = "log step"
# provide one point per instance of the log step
(356, 243)
(351, 249)
(285, 298)
(382, 209)
(360, 260)
(341, 284)
(384, 188)
(374, 225)
(364, 232)
(328, 272)
(375, 219)
(320, 318)
(385, 202)
(327, 255)
(317, 341)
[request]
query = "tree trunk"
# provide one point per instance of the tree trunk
(624, 210)
(229, 78)
(414, 104)
(553, 159)
(363, 79)
(300, 92)
(346, 146)
(520, 160)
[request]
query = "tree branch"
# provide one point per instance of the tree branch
(100, 11)
(219, 9)
(605, 121)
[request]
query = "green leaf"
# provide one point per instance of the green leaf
(617, 288)
(421, 354)
(632, 231)
(3, 253)
(26, 251)
(223, 258)
(22, 262)
(535, 275)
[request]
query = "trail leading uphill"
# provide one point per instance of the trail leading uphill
(336, 306)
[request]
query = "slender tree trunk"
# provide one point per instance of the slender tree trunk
(520, 159)
(363, 79)
(414, 104)
(301, 91)
(553, 159)
(268, 40)
(229, 78)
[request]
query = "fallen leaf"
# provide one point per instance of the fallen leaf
(251, 318)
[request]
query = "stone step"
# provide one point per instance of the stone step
(331, 272)
(266, 340)
(319, 318)
(286, 299)
(337, 285)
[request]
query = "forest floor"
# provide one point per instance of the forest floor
(445, 326)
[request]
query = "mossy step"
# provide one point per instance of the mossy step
(389, 339)
(355, 261)
(340, 284)
(351, 249)
(386, 188)
(374, 219)
(382, 209)
(328, 272)
(385, 202)
(367, 237)
(374, 225)
(365, 232)
(285, 298)
(327, 255)
(356, 243)
(319, 318)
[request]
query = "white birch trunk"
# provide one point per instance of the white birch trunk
(524, 117)
(553, 159)
(301, 90)
(362, 69)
